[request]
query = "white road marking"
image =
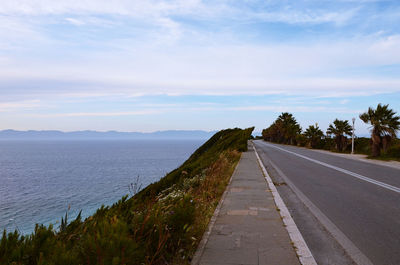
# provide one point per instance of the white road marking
(381, 184)
(301, 248)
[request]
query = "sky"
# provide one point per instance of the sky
(131, 65)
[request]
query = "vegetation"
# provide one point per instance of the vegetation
(162, 224)
(313, 134)
(361, 146)
(384, 125)
(284, 130)
(340, 129)
(383, 120)
(393, 152)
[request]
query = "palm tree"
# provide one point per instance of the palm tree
(340, 129)
(313, 135)
(285, 129)
(288, 128)
(384, 125)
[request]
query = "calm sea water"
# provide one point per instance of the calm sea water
(40, 180)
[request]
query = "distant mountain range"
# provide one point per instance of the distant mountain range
(93, 135)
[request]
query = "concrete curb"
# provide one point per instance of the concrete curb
(200, 249)
(301, 248)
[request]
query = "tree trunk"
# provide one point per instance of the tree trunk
(341, 142)
(338, 143)
(344, 143)
(386, 140)
(313, 143)
(376, 145)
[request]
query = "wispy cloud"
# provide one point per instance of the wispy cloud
(103, 52)
(75, 21)
(297, 109)
(95, 114)
(16, 31)
(20, 105)
(300, 13)
(295, 16)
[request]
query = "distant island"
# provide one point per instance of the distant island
(95, 135)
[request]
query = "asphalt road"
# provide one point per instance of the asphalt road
(361, 199)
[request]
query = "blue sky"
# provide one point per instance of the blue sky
(191, 64)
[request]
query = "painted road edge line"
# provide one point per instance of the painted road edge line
(300, 246)
(202, 245)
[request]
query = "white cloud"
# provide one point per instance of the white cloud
(155, 21)
(314, 69)
(16, 33)
(75, 21)
(297, 109)
(151, 109)
(136, 8)
(193, 8)
(305, 16)
(95, 114)
(19, 105)
(136, 64)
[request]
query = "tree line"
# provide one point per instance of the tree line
(384, 124)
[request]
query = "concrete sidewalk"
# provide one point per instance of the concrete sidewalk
(248, 228)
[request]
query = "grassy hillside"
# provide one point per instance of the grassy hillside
(162, 224)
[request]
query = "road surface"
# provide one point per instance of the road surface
(360, 199)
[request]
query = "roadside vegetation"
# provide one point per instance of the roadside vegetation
(384, 123)
(383, 143)
(161, 224)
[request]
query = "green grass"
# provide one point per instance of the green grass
(162, 224)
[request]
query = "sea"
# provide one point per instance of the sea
(42, 180)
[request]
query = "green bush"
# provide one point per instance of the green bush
(394, 152)
(362, 145)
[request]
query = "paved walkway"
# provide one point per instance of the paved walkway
(248, 228)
